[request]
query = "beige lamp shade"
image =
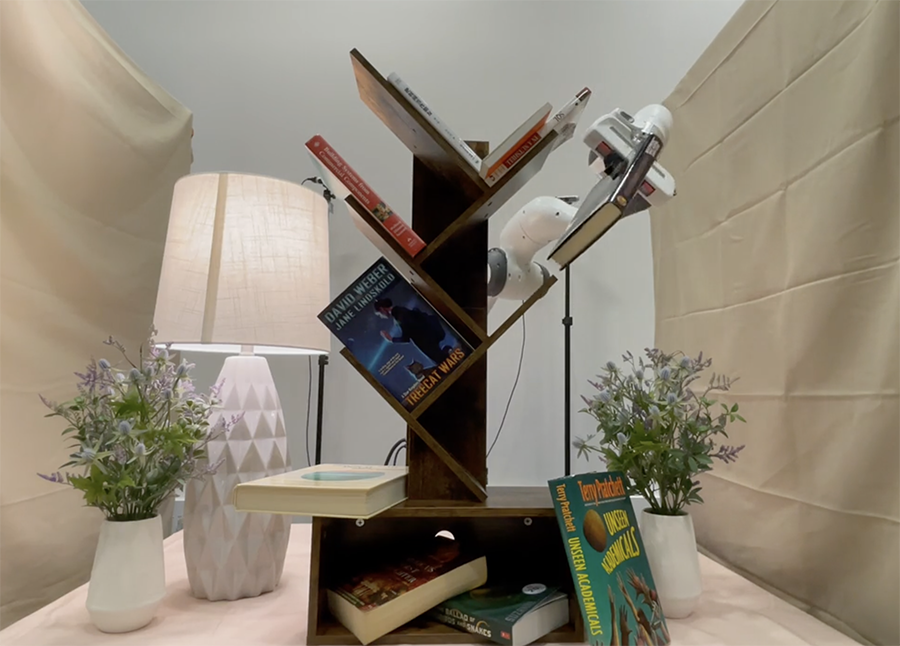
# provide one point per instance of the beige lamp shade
(245, 264)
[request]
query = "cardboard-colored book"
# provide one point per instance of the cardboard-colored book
(331, 490)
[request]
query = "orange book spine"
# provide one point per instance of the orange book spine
(505, 164)
(518, 151)
(365, 195)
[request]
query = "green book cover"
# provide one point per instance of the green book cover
(492, 611)
(613, 582)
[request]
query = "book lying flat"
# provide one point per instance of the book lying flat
(506, 614)
(371, 604)
(332, 490)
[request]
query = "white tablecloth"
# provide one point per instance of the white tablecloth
(732, 611)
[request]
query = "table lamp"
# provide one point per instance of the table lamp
(245, 272)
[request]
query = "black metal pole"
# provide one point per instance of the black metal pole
(323, 361)
(567, 381)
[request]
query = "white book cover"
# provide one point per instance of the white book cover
(464, 150)
(333, 478)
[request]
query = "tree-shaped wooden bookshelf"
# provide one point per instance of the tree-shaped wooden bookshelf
(447, 434)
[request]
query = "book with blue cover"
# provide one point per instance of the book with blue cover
(609, 567)
(395, 333)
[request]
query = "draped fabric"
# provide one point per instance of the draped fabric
(779, 259)
(91, 149)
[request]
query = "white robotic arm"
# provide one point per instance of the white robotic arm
(615, 141)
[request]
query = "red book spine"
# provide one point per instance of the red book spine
(344, 173)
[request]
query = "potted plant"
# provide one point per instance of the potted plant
(659, 429)
(139, 432)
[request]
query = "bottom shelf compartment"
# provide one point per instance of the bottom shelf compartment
(423, 631)
(521, 541)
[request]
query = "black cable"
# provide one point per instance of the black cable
(308, 406)
(396, 447)
(397, 454)
(513, 391)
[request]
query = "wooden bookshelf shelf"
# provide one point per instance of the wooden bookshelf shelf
(413, 129)
(495, 196)
(516, 525)
(447, 432)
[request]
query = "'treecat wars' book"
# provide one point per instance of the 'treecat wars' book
(613, 583)
(395, 333)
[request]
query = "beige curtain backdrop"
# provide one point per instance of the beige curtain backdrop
(779, 259)
(91, 149)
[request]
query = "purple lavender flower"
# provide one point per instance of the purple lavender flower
(54, 477)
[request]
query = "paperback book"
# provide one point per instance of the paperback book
(343, 181)
(380, 599)
(513, 615)
(395, 333)
(612, 577)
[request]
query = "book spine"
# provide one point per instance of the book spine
(506, 164)
(461, 147)
(345, 174)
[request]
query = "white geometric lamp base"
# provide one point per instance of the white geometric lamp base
(232, 555)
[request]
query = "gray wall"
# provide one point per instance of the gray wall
(262, 77)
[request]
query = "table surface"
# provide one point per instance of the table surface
(732, 610)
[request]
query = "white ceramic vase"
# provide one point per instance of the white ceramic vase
(232, 555)
(128, 580)
(674, 562)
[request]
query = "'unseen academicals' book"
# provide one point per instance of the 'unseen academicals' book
(395, 334)
(612, 577)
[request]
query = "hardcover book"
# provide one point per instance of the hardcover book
(395, 333)
(329, 490)
(373, 603)
(343, 181)
(506, 614)
(612, 577)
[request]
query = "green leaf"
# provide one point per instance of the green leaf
(734, 408)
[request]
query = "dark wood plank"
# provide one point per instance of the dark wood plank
(475, 488)
(532, 502)
(493, 198)
(414, 130)
(316, 591)
(481, 350)
(444, 303)
(434, 633)
(457, 417)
